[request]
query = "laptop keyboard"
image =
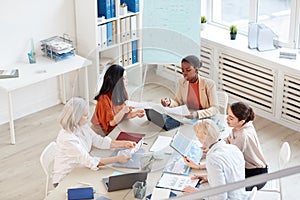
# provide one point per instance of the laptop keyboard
(171, 123)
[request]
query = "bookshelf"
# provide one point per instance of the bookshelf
(110, 40)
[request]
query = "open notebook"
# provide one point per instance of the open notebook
(183, 147)
(135, 153)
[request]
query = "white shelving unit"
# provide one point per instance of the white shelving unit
(89, 44)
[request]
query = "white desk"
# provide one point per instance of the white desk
(44, 69)
(139, 125)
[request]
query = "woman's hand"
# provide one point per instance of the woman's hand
(140, 113)
(137, 113)
(126, 109)
(122, 144)
(166, 102)
(192, 115)
(128, 144)
(202, 178)
(120, 115)
(190, 163)
(123, 158)
(189, 189)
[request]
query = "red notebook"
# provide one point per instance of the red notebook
(135, 137)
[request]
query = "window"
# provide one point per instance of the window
(276, 14)
(282, 16)
(231, 12)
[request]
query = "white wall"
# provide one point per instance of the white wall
(19, 22)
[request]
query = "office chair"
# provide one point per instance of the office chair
(283, 159)
(46, 159)
(252, 193)
(223, 101)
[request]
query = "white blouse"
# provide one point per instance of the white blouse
(225, 164)
(72, 150)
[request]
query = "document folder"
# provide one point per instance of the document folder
(252, 35)
(265, 38)
(81, 193)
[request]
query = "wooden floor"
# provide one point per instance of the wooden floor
(21, 175)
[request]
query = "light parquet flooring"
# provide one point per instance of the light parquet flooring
(21, 175)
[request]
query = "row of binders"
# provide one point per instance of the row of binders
(107, 33)
(107, 8)
(129, 53)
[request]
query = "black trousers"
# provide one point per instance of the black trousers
(254, 172)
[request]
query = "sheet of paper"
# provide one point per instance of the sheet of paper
(178, 110)
(135, 104)
(176, 182)
(161, 143)
(160, 193)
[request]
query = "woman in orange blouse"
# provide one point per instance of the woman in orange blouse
(111, 108)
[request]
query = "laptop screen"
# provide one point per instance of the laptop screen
(123, 181)
(162, 120)
(155, 117)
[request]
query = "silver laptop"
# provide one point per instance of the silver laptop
(123, 181)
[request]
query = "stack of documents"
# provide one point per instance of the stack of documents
(57, 48)
(9, 73)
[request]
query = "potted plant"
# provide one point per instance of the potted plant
(233, 32)
(203, 22)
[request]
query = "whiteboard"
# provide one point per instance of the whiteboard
(171, 30)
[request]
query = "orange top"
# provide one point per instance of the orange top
(193, 98)
(104, 112)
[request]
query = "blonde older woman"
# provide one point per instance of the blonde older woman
(76, 139)
(224, 162)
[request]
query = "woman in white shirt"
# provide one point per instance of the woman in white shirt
(243, 135)
(75, 140)
(224, 162)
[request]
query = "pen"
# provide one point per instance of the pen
(179, 153)
(84, 183)
(145, 143)
(186, 159)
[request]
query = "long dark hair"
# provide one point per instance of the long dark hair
(113, 83)
(242, 111)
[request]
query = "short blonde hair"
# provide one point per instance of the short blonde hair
(72, 113)
(208, 128)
